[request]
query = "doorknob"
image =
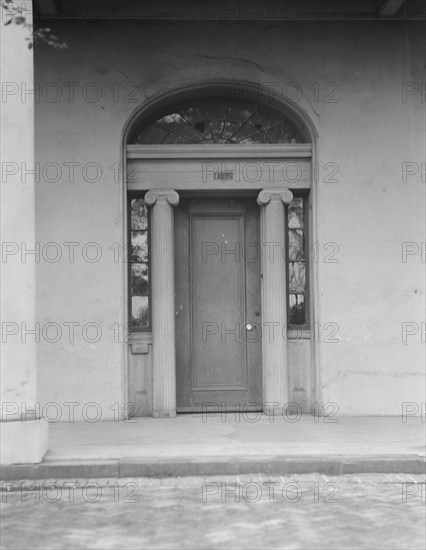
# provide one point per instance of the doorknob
(249, 327)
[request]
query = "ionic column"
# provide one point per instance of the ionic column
(24, 435)
(274, 296)
(163, 301)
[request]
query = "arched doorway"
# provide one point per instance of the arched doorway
(218, 182)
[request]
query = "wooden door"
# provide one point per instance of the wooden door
(218, 301)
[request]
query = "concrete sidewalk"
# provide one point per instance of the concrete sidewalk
(229, 444)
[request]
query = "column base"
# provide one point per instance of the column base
(164, 414)
(24, 442)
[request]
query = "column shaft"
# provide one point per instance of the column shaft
(163, 301)
(274, 296)
(24, 436)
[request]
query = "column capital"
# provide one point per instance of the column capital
(158, 195)
(280, 193)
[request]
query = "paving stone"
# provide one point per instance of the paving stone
(382, 511)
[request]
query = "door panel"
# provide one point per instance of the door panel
(217, 295)
(218, 303)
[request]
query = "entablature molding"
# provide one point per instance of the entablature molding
(218, 167)
(181, 152)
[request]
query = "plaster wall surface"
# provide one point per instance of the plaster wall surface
(350, 77)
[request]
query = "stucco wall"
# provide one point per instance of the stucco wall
(368, 132)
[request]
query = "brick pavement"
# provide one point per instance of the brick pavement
(250, 512)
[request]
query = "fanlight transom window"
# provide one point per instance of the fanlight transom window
(218, 120)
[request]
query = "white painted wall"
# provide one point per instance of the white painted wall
(369, 132)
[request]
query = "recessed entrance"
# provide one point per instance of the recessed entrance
(213, 180)
(218, 304)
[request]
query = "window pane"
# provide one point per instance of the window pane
(139, 214)
(297, 276)
(259, 137)
(176, 138)
(282, 134)
(189, 133)
(245, 132)
(139, 246)
(261, 120)
(297, 314)
(295, 245)
(219, 120)
(140, 311)
(295, 213)
(229, 129)
(139, 279)
(139, 266)
(153, 134)
(171, 122)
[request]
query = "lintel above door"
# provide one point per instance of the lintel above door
(218, 166)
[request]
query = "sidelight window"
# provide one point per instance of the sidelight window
(296, 262)
(139, 266)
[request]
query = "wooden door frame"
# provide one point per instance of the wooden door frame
(149, 162)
